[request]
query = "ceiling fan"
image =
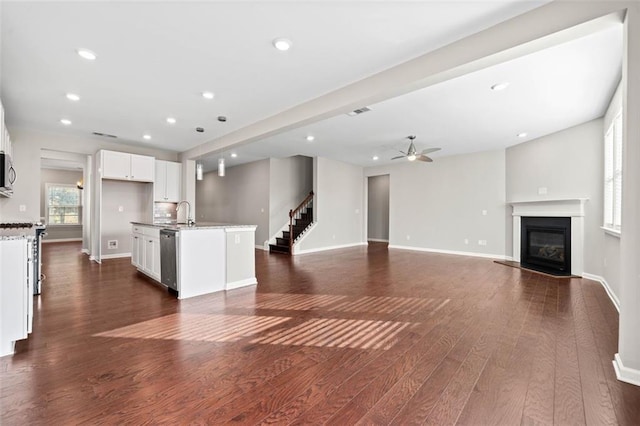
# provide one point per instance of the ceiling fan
(413, 155)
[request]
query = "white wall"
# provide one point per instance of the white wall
(135, 199)
(569, 164)
(439, 205)
(242, 197)
(338, 206)
(290, 181)
(611, 246)
(378, 208)
(68, 177)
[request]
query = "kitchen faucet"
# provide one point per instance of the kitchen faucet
(190, 221)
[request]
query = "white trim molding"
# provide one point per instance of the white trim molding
(453, 252)
(315, 250)
(377, 240)
(61, 240)
(607, 288)
(625, 374)
(241, 283)
(565, 207)
(115, 256)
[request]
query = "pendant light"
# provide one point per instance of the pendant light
(199, 171)
(221, 167)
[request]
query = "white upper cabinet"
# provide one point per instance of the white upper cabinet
(168, 181)
(125, 166)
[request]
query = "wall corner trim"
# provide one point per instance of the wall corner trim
(625, 374)
(607, 288)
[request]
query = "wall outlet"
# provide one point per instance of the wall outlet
(542, 190)
(237, 239)
(484, 212)
(120, 209)
(408, 237)
(112, 244)
(23, 208)
(482, 242)
(466, 241)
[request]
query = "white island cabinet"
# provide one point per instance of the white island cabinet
(210, 257)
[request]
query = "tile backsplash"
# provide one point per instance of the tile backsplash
(164, 213)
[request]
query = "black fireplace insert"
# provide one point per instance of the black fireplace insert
(545, 244)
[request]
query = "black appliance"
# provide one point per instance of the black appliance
(7, 175)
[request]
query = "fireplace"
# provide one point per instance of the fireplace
(546, 244)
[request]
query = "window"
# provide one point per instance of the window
(613, 175)
(64, 204)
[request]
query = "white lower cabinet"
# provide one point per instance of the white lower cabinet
(145, 250)
(16, 292)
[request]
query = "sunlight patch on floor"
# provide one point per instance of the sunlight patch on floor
(197, 327)
(341, 333)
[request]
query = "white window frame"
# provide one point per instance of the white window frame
(613, 160)
(48, 206)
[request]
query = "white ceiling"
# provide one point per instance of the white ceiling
(155, 58)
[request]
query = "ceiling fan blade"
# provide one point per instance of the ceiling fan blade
(424, 158)
(399, 156)
(428, 150)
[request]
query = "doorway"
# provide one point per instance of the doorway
(378, 208)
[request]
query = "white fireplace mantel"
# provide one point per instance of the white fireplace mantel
(566, 207)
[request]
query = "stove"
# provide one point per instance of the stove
(34, 233)
(17, 225)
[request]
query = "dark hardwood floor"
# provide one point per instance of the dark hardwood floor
(352, 336)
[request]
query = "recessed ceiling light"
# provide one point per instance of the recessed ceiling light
(234, 155)
(171, 120)
(375, 158)
(208, 95)
(522, 135)
(65, 121)
(146, 137)
(282, 44)
(73, 97)
(500, 86)
(310, 138)
(86, 54)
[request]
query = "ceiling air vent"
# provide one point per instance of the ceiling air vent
(105, 135)
(359, 111)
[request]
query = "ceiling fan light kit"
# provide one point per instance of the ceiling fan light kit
(412, 153)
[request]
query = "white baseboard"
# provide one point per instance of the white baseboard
(377, 240)
(241, 283)
(85, 251)
(315, 250)
(61, 240)
(93, 259)
(115, 256)
(625, 374)
(607, 288)
(259, 247)
(454, 252)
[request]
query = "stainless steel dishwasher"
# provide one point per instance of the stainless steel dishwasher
(169, 258)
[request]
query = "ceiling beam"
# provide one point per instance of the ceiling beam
(549, 25)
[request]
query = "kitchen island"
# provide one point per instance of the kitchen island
(208, 257)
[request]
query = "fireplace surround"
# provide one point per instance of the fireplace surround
(571, 209)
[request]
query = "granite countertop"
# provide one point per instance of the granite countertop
(198, 225)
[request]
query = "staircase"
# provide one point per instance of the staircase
(299, 220)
